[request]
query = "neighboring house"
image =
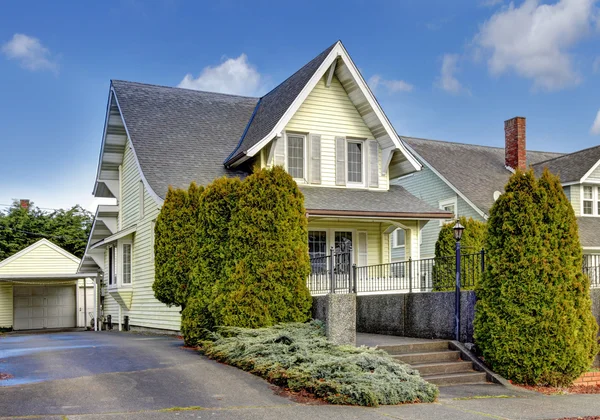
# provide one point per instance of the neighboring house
(466, 180)
(40, 288)
(322, 124)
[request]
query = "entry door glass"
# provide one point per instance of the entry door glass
(317, 243)
(343, 241)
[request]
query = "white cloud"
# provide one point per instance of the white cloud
(392, 86)
(447, 79)
(596, 65)
(596, 125)
(234, 76)
(534, 40)
(30, 53)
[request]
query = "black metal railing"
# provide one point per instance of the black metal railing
(337, 273)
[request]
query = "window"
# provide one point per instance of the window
(343, 241)
(399, 238)
(449, 206)
(588, 200)
(317, 243)
(112, 265)
(355, 162)
(126, 265)
(295, 151)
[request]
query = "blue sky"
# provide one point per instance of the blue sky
(443, 70)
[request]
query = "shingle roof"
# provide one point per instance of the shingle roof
(353, 201)
(182, 135)
(274, 104)
(571, 167)
(476, 171)
(589, 231)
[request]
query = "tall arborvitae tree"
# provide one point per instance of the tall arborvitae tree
(217, 203)
(473, 241)
(528, 305)
(265, 275)
(175, 248)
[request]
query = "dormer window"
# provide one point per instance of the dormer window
(295, 155)
(355, 162)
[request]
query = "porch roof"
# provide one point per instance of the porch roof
(589, 231)
(396, 203)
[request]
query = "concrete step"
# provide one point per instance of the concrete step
(456, 378)
(441, 368)
(415, 347)
(428, 357)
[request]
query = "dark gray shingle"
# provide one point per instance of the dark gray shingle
(571, 167)
(396, 200)
(476, 171)
(589, 230)
(273, 105)
(182, 135)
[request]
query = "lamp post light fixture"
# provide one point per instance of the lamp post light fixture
(458, 231)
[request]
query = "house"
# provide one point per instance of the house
(466, 179)
(40, 287)
(322, 124)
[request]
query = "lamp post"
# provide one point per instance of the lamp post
(458, 231)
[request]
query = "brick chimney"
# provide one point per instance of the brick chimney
(24, 203)
(515, 155)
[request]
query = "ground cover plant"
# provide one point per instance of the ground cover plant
(299, 357)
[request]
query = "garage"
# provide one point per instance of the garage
(38, 307)
(41, 288)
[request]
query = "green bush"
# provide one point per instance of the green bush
(299, 357)
(473, 241)
(533, 320)
(175, 246)
(264, 281)
(217, 202)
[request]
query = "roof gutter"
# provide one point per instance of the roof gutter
(381, 214)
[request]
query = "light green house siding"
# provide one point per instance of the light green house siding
(575, 197)
(595, 175)
(41, 260)
(6, 305)
(427, 186)
(145, 310)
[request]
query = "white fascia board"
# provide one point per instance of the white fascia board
(106, 117)
(116, 236)
(157, 199)
(456, 190)
(337, 51)
(588, 173)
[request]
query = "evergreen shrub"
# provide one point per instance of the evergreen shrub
(533, 320)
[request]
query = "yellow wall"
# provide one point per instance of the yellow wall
(330, 113)
(145, 310)
(6, 305)
(41, 260)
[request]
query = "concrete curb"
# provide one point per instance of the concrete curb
(478, 365)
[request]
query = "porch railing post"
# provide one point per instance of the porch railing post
(331, 267)
(410, 274)
(351, 270)
(354, 277)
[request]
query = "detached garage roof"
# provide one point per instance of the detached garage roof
(41, 260)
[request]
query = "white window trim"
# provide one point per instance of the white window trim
(363, 182)
(121, 271)
(394, 239)
(594, 200)
(444, 203)
(304, 179)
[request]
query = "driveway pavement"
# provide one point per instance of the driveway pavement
(87, 376)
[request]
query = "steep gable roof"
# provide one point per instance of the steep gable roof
(274, 104)
(181, 135)
(475, 171)
(572, 167)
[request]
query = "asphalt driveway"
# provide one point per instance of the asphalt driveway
(106, 375)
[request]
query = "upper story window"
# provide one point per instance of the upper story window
(355, 162)
(295, 155)
(590, 201)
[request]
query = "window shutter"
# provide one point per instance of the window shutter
(340, 161)
(315, 158)
(373, 163)
(279, 152)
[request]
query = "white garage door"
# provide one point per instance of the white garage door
(37, 307)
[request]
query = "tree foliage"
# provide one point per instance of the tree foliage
(264, 282)
(473, 241)
(175, 246)
(21, 227)
(533, 321)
